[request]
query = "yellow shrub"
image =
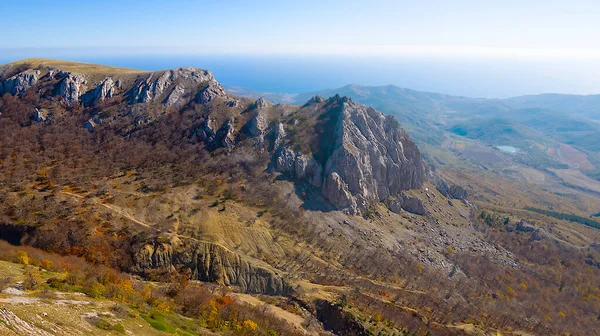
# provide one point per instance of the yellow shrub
(23, 258)
(250, 325)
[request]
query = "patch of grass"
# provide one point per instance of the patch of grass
(157, 322)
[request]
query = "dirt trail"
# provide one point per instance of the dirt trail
(111, 207)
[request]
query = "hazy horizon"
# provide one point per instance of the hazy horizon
(471, 77)
(463, 47)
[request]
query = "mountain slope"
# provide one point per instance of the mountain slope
(167, 176)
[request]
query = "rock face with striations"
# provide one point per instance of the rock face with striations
(19, 83)
(175, 84)
(72, 86)
(369, 159)
(208, 262)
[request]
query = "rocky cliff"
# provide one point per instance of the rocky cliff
(73, 84)
(361, 156)
(207, 262)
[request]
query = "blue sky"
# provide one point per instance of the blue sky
(485, 48)
(505, 28)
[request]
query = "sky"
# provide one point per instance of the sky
(561, 35)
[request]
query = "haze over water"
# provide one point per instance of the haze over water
(473, 77)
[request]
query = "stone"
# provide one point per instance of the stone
(40, 115)
(207, 262)
(403, 202)
(257, 125)
(72, 86)
(260, 104)
(211, 92)
(452, 191)
(206, 131)
(225, 135)
(158, 83)
(174, 96)
(19, 83)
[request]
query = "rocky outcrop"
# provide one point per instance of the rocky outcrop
(206, 131)
(452, 191)
(277, 137)
(72, 86)
(225, 136)
(260, 103)
(299, 166)
(369, 157)
(257, 124)
(403, 202)
(523, 226)
(106, 89)
(92, 123)
(40, 115)
(157, 84)
(211, 92)
(175, 95)
(207, 262)
(19, 83)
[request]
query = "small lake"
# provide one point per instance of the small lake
(509, 149)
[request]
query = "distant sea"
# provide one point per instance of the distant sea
(296, 74)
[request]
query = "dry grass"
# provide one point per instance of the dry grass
(76, 66)
(575, 177)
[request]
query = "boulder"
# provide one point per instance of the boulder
(452, 191)
(403, 202)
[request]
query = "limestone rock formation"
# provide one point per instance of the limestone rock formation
(207, 262)
(370, 158)
(19, 83)
(158, 83)
(452, 191)
(212, 91)
(206, 131)
(225, 136)
(403, 202)
(260, 103)
(72, 86)
(106, 89)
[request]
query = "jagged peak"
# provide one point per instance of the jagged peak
(260, 103)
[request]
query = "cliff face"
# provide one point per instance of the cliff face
(207, 262)
(365, 159)
(169, 88)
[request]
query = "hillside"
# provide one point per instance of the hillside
(326, 210)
